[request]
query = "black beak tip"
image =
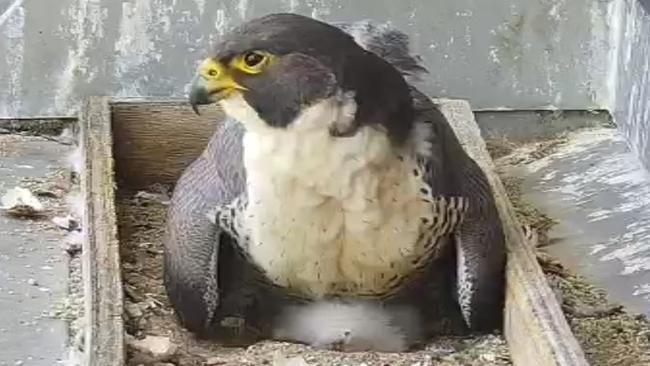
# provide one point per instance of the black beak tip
(198, 94)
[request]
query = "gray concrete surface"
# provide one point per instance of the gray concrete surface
(599, 192)
(526, 126)
(30, 250)
(514, 53)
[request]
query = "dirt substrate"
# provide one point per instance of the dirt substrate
(609, 335)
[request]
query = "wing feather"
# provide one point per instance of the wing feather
(191, 240)
(479, 239)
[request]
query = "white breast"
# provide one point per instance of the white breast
(329, 215)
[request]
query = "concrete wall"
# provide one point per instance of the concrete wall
(517, 54)
(631, 80)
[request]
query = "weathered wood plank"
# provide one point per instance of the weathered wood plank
(535, 326)
(104, 327)
(155, 141)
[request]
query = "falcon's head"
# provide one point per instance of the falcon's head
(271, 69)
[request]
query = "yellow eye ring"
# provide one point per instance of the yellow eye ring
(252, 59)
(252, 62)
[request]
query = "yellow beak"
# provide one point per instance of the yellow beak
(211, 83)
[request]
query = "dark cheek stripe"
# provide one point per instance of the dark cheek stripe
(280, 93)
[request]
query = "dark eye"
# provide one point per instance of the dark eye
(253, 59)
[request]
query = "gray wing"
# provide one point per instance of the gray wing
(479, 239)
(191, 241)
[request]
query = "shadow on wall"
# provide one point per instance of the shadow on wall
(646, 5)
(632, 107)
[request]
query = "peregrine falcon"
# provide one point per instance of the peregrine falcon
(333, 185)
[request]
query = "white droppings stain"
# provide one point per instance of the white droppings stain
(412, 17)
(87, 18)
(642, 290)
(166, 23)
(630, 34)
(597, 249)
(468, 35)
(13, 44)
(599, 215)
(554, 12)
(320, 9)
(17, 4)
(242, 8)
(221, 25)
(634, 253)
(220, 22)
(550, 175)
(135, 47)
(293, 5)
(200, 5)
(600, 48)
(551, 69)
(634, 134)
(315, 13)
(494, 55)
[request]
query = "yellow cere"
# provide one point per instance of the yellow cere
(211, 69)
(218, 79)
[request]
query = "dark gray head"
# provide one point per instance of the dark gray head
(281, 64)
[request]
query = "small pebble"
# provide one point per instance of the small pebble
(32, 282)
(133, 310)
(160, 348)
(489, 357)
